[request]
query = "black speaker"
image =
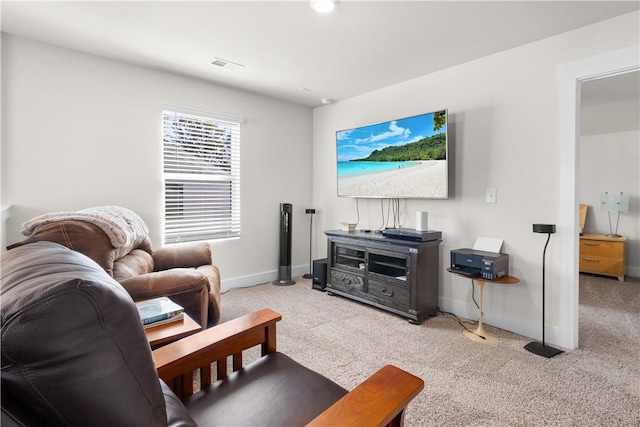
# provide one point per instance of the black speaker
(544, 228)
(319, 274)
(540, 348)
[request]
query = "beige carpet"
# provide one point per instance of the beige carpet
(468, 383)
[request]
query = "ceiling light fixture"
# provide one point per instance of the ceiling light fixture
(327, 101)
(219, 62)
(323, 6)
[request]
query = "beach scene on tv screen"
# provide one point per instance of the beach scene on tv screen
(404, 158)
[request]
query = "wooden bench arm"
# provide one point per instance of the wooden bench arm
(216, 344)
(378, 401)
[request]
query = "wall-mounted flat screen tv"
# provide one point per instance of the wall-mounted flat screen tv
(404, 158)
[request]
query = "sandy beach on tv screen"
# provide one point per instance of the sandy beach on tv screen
(427, 179)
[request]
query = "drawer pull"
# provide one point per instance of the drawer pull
(591, 243)
(387, 292)
(591, 259)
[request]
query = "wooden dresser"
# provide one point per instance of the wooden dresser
(604, 255)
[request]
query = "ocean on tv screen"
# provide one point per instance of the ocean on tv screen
(346, 169)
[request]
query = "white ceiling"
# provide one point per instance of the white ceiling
(285, 46)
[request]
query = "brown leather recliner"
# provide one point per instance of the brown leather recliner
(74, 353)
(184, 272)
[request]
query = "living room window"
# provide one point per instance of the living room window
(201, 175)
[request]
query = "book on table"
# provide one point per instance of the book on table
(158, 311)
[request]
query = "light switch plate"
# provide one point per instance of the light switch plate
(491, 195)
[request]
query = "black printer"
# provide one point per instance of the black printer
(475, 263)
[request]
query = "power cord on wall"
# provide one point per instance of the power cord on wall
(384, 222)
(473, 293)
(393, 211)
(396, 213)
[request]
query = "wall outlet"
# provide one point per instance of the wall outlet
(491, 195)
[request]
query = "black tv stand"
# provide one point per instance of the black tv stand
(397, 275)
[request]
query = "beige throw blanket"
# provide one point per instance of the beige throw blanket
(122, 225)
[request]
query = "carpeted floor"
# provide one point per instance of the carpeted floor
(468, 383)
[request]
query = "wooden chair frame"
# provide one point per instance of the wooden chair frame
(379, 401)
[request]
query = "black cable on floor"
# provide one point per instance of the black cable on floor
(461, 323)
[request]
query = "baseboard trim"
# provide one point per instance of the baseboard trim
(259, 278)
(500, 320)
(504, 321)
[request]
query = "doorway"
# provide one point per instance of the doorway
(571, 76)
(609, 156)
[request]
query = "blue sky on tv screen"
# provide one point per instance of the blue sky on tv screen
(360, 142)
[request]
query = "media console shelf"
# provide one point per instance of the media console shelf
(397, 275)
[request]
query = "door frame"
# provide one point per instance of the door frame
(570, 76)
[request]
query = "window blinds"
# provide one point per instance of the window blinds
(201, 176)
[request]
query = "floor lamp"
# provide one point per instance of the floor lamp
(311, 212)
(540, 348)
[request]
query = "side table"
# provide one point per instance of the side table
(170, 332)
(480, 334)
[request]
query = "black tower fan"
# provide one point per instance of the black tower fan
(284, 268)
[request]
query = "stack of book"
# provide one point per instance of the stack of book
(158, 311)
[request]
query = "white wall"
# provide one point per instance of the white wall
(610, 162)
(503, 127)
(81, 131)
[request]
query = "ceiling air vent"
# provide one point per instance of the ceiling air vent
(219, 62)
